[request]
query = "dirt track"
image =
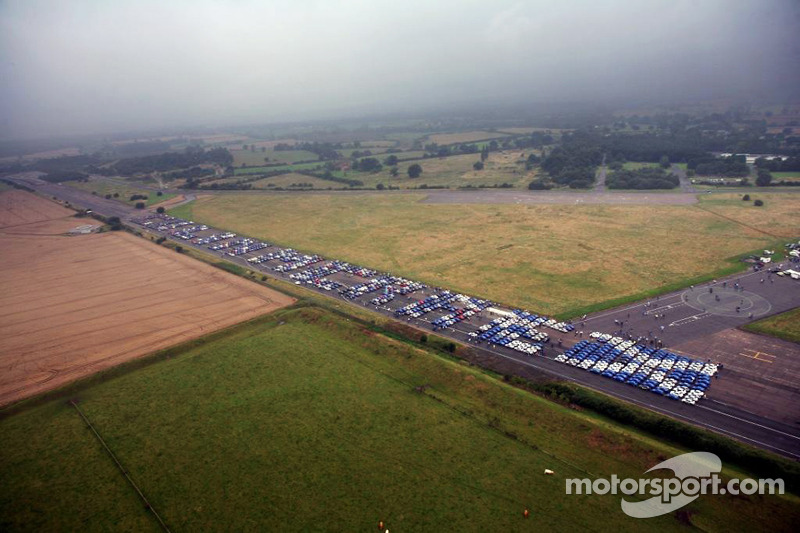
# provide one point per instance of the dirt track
(73, 305)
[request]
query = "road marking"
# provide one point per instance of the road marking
(758, 356)
(689, 319)
(664, 308)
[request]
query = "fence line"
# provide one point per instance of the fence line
(121, 468)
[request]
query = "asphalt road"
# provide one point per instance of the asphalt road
(730, 420)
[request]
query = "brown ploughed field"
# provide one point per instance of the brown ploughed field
(73, 305)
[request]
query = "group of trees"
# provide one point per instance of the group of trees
(791, 164)
(574, 162)
(367, 164)
(191, 157)
(734, 166)
(57, 176)
(642, 178)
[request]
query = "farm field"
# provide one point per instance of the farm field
(20, 208)
(93, 301)
(303, 420)
(464, 137)
(103, 187)
(784, 326)
(555, 259)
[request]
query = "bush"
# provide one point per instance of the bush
(140, 205)
(746, 198)
(758, 203)
(478, 165)
(108, 197)
(115, 223)
(179, 249)
(161, 240)
(380, 186)
(414, 171)
(764, 178)
(538, 185)
(159, 193)
(116, 195)
(160, 210)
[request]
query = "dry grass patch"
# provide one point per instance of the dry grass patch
(548, 258)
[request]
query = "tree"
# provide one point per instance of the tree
(380, 186)
(116, 195)
(746, 198)
(664, 162)
(390, 161)
(394, 172)
(263, 149)
(484, 154)
(108, 197)
(140, 205)
(478, 165)
(368, 164)
(764, 177)
(414, 171)
(160, 210)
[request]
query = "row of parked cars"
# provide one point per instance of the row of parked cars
(651, 369)
(514, 332)
(656, 370)
(472, 307)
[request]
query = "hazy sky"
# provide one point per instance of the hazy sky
(97, 66)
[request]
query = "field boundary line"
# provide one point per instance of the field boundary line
(739, 222)
(121, 468)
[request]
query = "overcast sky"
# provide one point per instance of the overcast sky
(109, 65)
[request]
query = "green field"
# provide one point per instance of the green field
(784, 326)
(306, 421)
(125, 191)
(261, 170)
(787, 176)
(256, 158)
(555, 259)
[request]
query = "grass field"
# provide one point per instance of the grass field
(256, 158)
(454, 171)
(787, 176)
(287, 180)
(633, 165)
(554, 259)
(784, 326)
(261, 170)
(125, 191)
(305, 421)
(464, 137)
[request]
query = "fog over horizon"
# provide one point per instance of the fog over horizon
(84, 67)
